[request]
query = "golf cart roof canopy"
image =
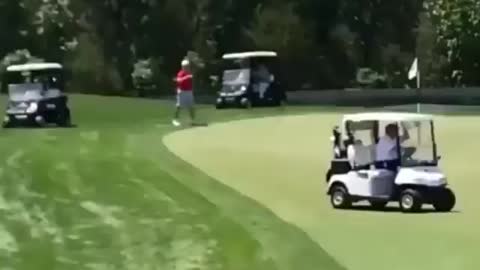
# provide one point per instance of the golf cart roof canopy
(244, 55)
(33, 67)
(387, 116)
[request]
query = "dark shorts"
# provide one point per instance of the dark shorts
(391, 165)
(185, 99)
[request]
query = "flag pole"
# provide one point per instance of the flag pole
(418, 87)
(414, 72)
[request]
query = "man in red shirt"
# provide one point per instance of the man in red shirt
(185, 98)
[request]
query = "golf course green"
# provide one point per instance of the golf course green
(126, 190)
(281, 161)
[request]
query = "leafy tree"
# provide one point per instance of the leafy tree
(457, 24)
(290, 37)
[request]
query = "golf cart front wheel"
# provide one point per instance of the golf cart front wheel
(7, 124)
(339, 198)
(411, 201)
(64, 118)
(246, 103)
(219, 104)
(445, 201)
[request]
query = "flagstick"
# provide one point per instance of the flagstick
(418, 91)
(412, 73)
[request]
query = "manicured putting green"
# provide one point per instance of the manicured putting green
(281, 162)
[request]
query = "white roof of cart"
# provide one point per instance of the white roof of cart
(34, 66)
(387, 116)
(249, 54)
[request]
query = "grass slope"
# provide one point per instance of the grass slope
(109, 195)
(281, 163)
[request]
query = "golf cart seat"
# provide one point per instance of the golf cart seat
(361, 157)
(379, 181)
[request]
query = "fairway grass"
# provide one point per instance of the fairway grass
(280, 162)
(109, 195)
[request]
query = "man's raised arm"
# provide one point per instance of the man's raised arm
(186, 77)
(406, 134)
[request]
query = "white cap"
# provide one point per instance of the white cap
(185, 62)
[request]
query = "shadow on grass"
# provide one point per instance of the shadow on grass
(199, 125)
(41, 127)
(396, 209)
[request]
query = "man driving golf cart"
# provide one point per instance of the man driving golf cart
(386, 148)
(248, 80)
(35, 93)
(378, 162)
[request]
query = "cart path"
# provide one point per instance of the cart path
(281, 162)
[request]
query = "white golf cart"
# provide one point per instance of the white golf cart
(355, 175)
(249, 79)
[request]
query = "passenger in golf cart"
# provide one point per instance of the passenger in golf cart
(36, 97)
(261, 79)
(248, 80)
(379, 162)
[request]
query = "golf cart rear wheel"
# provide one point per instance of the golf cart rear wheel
(445, 201)
(411, 201)
(339, 198)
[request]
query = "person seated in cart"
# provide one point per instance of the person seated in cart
(386, 148)
(262, 79)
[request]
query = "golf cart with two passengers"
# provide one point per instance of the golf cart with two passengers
(248, 80)
(354, 175)
(35, 95)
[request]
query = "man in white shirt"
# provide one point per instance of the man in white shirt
(387, 149)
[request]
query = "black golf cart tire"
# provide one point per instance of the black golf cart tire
(416, 201)
(64, 118)
(378, 205)
(219, 106)
(7, 124)
(445, 201)
(247, 105)
(342, 191)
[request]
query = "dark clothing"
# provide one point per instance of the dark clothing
(391, 165)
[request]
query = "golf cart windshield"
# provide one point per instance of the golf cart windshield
(237, 72)
(25, 92)
(34, 84)
(236, 77)
(51, 78)
(418, 146)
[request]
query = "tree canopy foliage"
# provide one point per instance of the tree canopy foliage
(111, 46)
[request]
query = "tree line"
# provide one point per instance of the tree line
(120, 46)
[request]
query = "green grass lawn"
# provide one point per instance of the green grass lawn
(281, 163)
(109, 195)
(246, 195)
